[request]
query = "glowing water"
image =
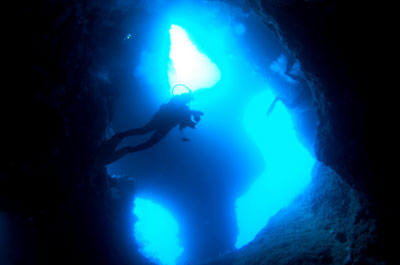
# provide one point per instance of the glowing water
(288, 163)
(187, 65)
(287, 171)
(156, 233)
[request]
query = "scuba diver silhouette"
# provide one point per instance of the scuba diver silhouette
(302, 95)
(175, 112)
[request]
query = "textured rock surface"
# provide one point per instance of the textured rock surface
(327, 224)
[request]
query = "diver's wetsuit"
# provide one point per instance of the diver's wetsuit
(175, 112)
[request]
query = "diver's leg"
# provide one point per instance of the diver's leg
(108, 147)
(289, 67)
(295, 77)
(272, 106)
(118, 154)
(155, 138)
(139, 131)
(114, 141)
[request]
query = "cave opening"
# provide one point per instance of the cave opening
(241, 165)
(97, 68)
(156, 232)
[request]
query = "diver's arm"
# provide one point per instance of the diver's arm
(185, 124)
(186, 121)
(196, 115)
(272, 106)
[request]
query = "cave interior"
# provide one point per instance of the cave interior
(83, 71)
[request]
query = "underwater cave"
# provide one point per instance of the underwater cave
(281, 168)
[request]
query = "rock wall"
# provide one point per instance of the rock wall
(56, 195)
(340, 50)
(60, 109)
(327, 224)
(337, 45)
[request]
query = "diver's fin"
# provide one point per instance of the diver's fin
(271, 108)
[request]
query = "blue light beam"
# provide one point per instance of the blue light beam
(156, 233)
(287, 171)
(187, 65)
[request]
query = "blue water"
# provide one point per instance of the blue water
(236, 155)
(287, 171)
(187, 65)
(156, 232)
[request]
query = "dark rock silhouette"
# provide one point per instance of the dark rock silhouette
(58, 204)
(317, 228)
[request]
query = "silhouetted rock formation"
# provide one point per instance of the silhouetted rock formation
(60, 206)
(338, 46)
(56, 194)
(327, 224)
